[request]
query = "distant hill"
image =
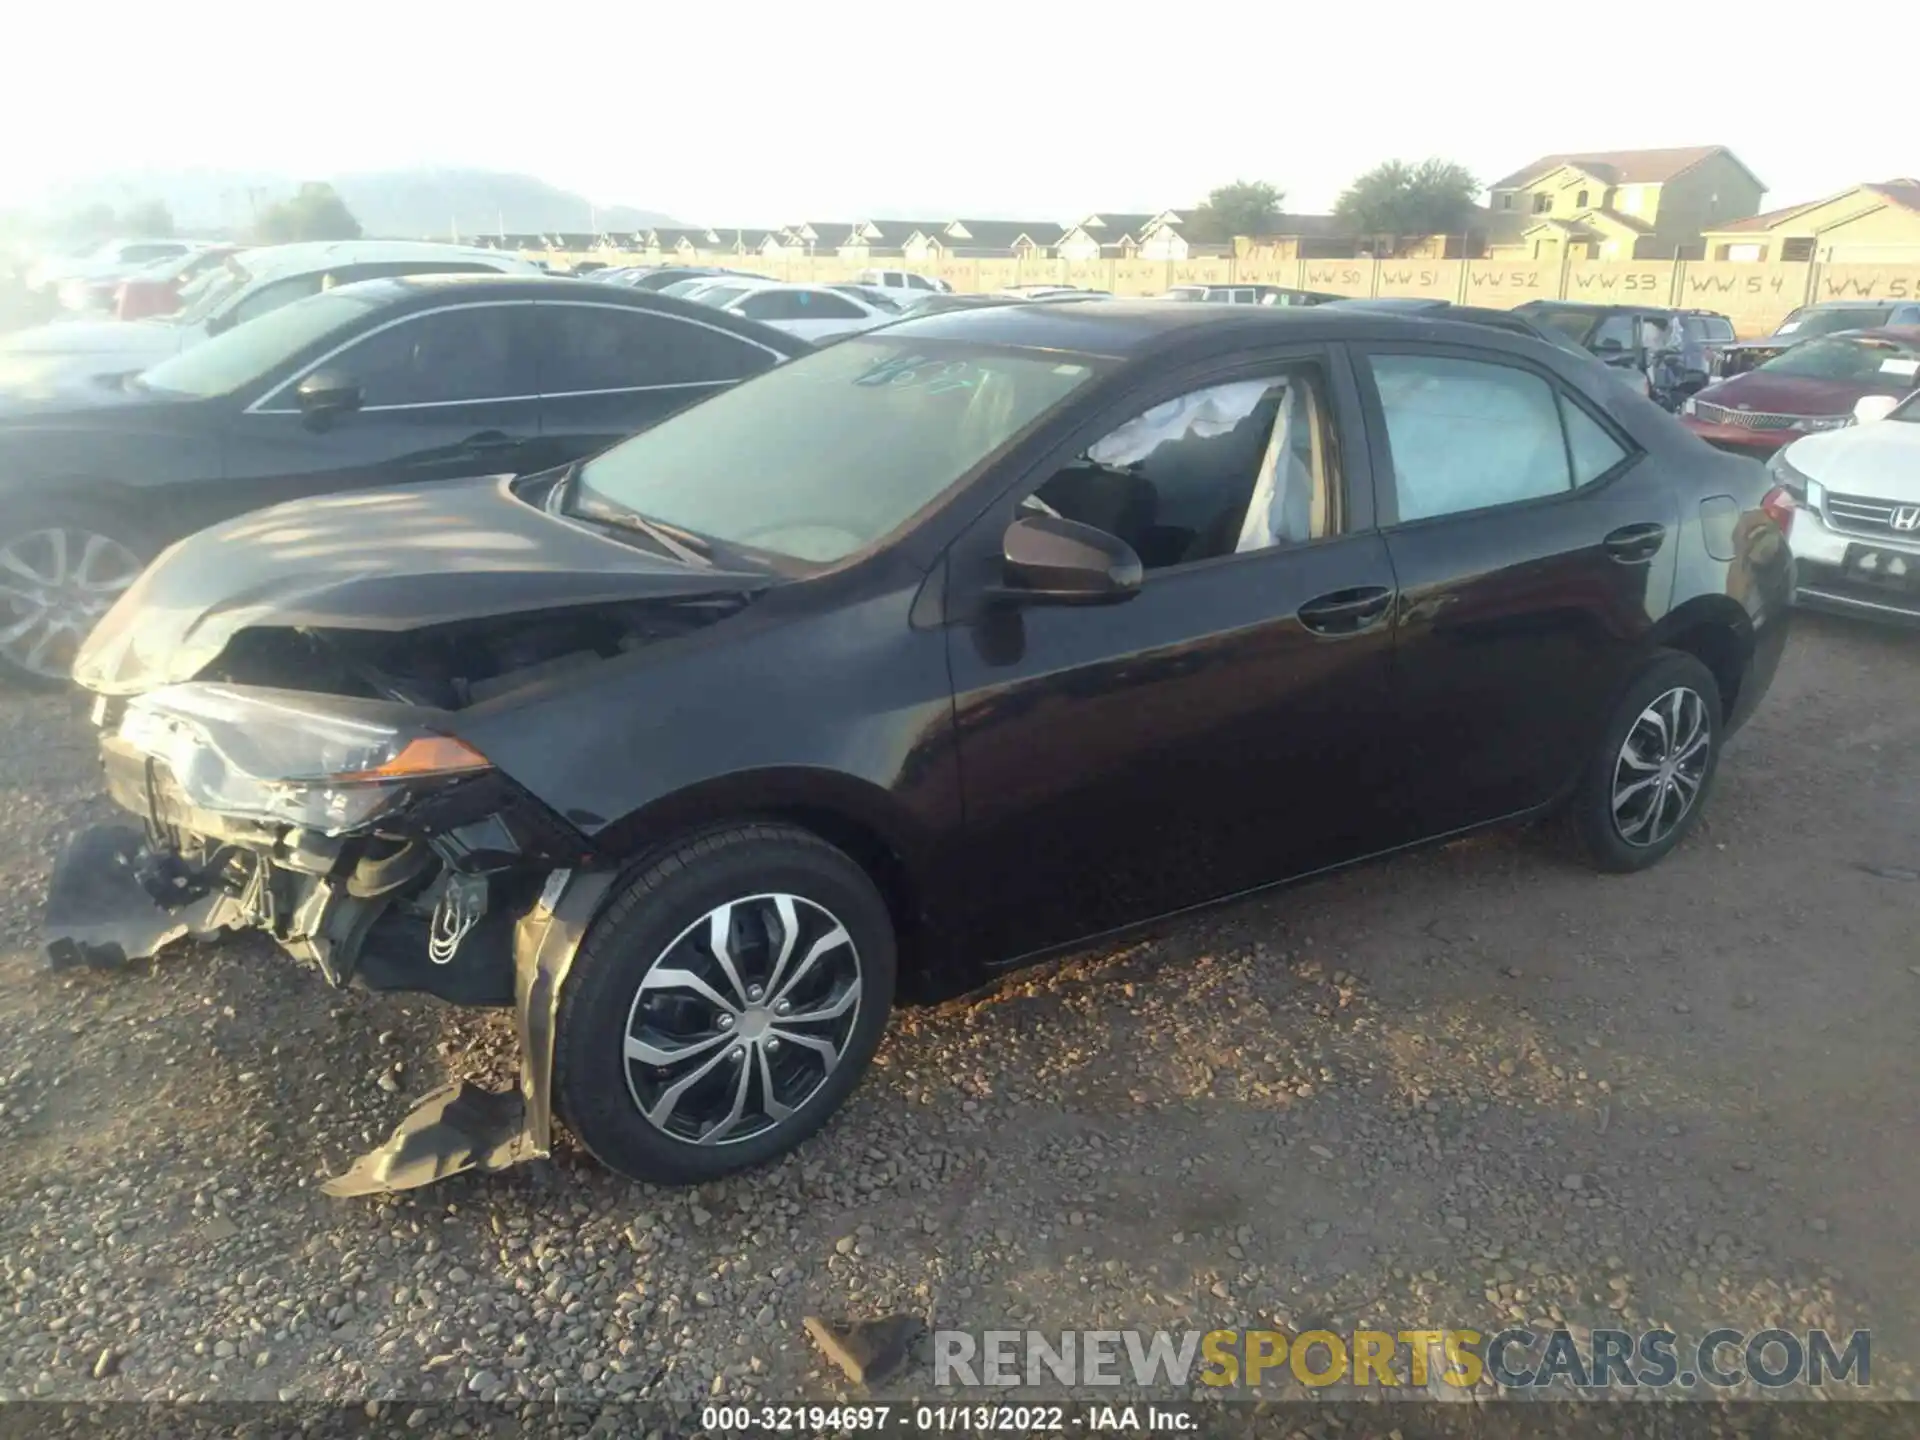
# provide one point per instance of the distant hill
(434, 203)
(403, 204)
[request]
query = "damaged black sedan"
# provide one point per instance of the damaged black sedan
(949, 646)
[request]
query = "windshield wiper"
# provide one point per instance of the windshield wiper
(682, 545)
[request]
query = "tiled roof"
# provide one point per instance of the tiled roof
(1005, 234)
(1619, 167)
(1117, 224)
(895, 233)
(1904, 192)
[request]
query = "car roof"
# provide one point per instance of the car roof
(1865, 302)
(1903, 334)
(1135, 329)
(320, 254)
(427, 291)
(1614, 307)
(748, 282)
(1401, 303)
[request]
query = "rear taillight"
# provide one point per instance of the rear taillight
(1780, 503)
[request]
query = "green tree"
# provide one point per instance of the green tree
(1246, 207)
(1398, 200)
(148, 220)
(314, 213)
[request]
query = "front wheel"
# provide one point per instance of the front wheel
(723, 1005)
(1645, 787)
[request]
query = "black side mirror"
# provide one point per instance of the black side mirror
(326, 393)
(1052, 561)
(1609, 346)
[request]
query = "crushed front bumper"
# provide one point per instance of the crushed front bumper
(478, 895)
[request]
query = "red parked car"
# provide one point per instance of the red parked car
(156, 290)
(1814, 386)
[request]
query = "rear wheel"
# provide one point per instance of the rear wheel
(1646, 785)
(62, 565)
(723, 1005)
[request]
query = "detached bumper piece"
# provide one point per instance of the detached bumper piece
(462, 1127)
(107, 904)
(457, 1128)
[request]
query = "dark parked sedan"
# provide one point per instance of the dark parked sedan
(947, 646)
(416, 378)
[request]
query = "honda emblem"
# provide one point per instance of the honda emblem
(1905, 518)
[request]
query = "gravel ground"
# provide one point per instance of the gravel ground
(1465, 1087)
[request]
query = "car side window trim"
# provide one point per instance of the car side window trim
(1387, 498)
(261, 407)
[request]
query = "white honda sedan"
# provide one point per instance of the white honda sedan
(1850, 502)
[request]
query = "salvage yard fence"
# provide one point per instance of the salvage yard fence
(1756, 296)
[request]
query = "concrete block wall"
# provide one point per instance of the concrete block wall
(1755, 296)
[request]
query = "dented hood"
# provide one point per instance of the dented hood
(390, 560)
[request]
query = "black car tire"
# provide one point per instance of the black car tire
(76, 515)
(1601, 827)
(635, 930)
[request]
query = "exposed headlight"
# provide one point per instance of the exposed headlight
(281, 755)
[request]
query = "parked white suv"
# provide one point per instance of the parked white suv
(910, 281)
(251, 284)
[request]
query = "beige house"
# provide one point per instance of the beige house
(884, 239)
(1868, 224)
(681, 242)
(959, 239)
(1620, 204)
(1116, 236)
(814, 237)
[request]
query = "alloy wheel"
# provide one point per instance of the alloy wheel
(55, 584)
(741, 1019)
(1661, 767)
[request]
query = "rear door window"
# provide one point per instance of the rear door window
(1467, 435)
(589, 348)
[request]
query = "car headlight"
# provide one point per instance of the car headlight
(1687, 406)
(1804, 488)
(282, 755)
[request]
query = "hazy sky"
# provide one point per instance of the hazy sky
(780, 112)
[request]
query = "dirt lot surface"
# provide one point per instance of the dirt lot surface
(1462, 1088)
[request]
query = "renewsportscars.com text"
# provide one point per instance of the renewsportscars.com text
(1512, 1359)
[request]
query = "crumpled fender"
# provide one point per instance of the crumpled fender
(462, 1126)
